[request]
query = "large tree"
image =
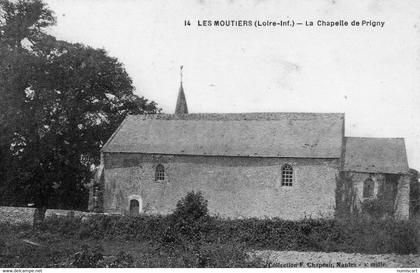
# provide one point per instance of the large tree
(59, 103)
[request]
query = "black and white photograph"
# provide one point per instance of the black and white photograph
(209, 134)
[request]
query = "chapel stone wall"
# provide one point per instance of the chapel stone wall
(235, 187)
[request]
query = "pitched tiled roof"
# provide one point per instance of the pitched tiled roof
(311, 135)
(375, 155)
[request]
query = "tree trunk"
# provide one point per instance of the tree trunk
(39, 216)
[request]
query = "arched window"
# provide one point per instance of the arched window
(286, 175)
(368, 187)
(159, 173)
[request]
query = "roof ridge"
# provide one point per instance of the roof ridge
(243, 113)
(268, 116)
(357, 137)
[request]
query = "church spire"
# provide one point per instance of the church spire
(181, 103)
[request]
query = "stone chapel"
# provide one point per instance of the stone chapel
(282, 165)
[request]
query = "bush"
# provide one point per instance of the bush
(378, 207)
(190, 221)
(192, 207)
(372, 207)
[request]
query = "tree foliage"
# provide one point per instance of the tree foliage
(59, 104)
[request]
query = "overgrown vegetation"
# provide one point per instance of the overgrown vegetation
(345, 196)
(380, 205)
(177, 240)
(414, 194)
(191, 238)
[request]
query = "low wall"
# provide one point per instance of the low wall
(16, 215)
(24, 215)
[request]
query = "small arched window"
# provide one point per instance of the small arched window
(286, 175)
(159, 173)
(368, 187)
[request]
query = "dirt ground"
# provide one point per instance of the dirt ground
(291, 259)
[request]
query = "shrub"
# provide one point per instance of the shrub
(190, 220)
(192, 207)
(372, 207)
(378, 207)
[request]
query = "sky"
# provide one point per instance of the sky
(372, 74)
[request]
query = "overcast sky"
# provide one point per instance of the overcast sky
(372, 74)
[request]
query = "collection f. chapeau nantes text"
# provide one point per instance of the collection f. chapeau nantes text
(285, 23)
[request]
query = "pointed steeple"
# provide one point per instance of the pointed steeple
(181, 103)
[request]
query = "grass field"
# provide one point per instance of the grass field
(23, 247)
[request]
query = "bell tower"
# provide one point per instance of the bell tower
(181, 103)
